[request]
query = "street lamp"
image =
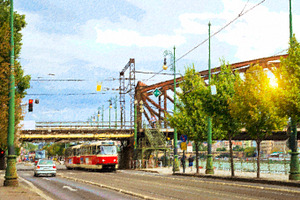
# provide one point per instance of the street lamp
(294, 164)
(165, 67)
(11, 178)
(135, 124)
(209, 161)
(110, 106)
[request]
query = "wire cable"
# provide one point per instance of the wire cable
(239, 15)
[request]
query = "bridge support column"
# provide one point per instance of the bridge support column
(126, 154)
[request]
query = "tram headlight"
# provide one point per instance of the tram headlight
(115, 160)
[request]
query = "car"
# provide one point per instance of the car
(45, 167)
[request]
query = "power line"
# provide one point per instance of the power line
(239, 15)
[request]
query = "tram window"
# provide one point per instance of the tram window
(108, 150)
(98, 150)
(94, 150)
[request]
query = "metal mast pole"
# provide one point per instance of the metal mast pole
(175, 166)
(294, 164)
(11, 178)
(209, 161)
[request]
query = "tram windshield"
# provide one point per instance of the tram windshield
(108, 150)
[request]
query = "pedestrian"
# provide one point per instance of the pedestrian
(183, 161)
(191, 162)
(153, 121)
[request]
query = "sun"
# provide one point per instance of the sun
(273, 82)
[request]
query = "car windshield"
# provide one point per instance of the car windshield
(46, 162)
(108, 150)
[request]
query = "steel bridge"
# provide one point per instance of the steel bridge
(58, 131)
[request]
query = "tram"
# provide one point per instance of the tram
(95, 155)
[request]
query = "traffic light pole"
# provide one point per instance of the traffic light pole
(11, 178)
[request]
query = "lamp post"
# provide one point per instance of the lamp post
(98, 117)
(102, 116)
(294, 164)
(116, 113)
(165, 67)
(110, 106)
(11, 178)
(209, 161)
(135, 124)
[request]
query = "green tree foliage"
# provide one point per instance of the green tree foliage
(55, 149)
(253, 104)
(237, 148)
(249, 152)
(288, 78)
(221, 149)
(21, 81)
(189, 119)
(226, 126)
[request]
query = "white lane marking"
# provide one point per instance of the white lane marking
(47, 179)
(35, 189)
(69, 188)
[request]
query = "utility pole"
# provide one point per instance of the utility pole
(102, 116)
(294, 164)
(116, 113)
(11, 178)
(209, 161)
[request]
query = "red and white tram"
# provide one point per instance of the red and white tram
(95, 155)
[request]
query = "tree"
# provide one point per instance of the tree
(189, 119)
(253, 104)
(21, 81)
(218, 106)
(249, 152)
(288, 77)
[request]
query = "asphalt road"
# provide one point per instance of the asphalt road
(66, 189)
(130, 184)
(157, 186)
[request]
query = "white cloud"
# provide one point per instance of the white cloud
(127, 38)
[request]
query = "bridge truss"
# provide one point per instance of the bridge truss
(152, 107)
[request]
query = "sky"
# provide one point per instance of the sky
(92, 41)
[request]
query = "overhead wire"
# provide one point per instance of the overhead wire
(239, 15)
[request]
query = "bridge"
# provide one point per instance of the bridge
(124, 130)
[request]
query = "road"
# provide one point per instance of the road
(66, 189)
(130, 184)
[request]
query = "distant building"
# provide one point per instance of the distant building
(266, 147)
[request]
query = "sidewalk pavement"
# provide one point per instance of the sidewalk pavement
(274, 179)
(23, 191)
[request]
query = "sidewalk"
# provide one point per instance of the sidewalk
(275, 179)
(23, 191)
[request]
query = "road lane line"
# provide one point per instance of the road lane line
(111, 188)
(35, 189)
(69, 188)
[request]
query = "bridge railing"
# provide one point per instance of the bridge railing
(82, 125)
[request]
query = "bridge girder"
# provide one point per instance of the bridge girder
(145, 92)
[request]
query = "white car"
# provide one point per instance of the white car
(45, 167)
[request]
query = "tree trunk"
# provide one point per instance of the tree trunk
(231, 156)
(258, 158)
(197, 157)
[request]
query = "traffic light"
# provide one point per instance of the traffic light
(30, 105)
(2, 153)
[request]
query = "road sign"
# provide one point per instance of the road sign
(183, 138)
(183, 146)
(157, 92)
